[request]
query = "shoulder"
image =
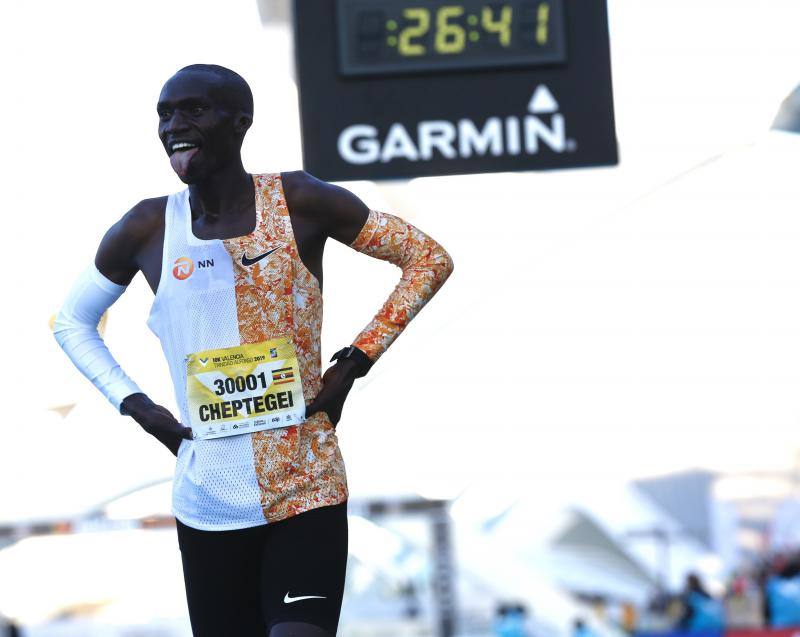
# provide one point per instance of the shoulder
(307, 195)
(300, 185)
(334, 209)
(145, 217)
(141, 222)
(118, 253)
(138, 226)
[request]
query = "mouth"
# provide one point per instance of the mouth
(180, 154)
(181, 147)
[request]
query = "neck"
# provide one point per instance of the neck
(223, 193)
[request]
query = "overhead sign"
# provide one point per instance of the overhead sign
(405, 88)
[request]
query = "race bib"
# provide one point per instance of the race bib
(237, 390)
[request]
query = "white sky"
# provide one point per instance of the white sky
(636, 333)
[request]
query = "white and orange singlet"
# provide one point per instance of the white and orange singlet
(249, 303)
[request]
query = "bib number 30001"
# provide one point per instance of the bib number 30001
(237, 390)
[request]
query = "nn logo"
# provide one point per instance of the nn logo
(184, 267)
(541, 127)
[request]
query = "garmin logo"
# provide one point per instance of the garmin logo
(543, 126)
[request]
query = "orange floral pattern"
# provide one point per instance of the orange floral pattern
(298, 467)
(425, 265)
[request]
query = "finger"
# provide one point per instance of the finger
(165, 429)
(171, 439)
(177, 430)
(312, 409)
(337, 411)
(168, 441)
(316, 405)
(166, 412)
(335, 415)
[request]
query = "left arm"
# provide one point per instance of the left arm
(425, 267)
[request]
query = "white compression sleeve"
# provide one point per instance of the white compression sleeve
(75, 330)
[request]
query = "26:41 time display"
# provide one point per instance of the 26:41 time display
(399, 36)
(451, 36)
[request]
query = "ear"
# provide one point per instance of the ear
(243, 123)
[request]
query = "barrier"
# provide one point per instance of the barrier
(687, 633)
(750, 632)
(764, 632)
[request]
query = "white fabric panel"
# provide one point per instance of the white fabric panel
(215, 485)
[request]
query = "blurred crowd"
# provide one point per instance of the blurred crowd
(766, 595)
(772, 586)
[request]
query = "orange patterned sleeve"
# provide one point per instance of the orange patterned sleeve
(425, 264)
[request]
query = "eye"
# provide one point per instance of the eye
(164, 115)
(197, 110)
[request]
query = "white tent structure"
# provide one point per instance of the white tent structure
(597, 544)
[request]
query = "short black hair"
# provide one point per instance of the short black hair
(233, 90)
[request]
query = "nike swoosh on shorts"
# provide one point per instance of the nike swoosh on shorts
(289, 600)
(247, 261)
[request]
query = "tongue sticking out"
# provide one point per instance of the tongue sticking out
(180, 160)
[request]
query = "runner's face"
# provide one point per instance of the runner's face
(198, 132)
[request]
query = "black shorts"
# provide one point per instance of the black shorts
(244, 582)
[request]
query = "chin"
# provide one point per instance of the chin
(196, 174)
(193, 176)
(188, 179)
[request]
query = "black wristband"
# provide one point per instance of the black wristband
(352, 353)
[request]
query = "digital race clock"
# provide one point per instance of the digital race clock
(399, 89)
(401, 36)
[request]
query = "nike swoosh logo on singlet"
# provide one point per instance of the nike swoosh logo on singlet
(289, 600)
(247, 261)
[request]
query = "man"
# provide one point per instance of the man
(235, 262)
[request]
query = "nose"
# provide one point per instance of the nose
(176, 123)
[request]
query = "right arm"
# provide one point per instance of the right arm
(75, 328)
